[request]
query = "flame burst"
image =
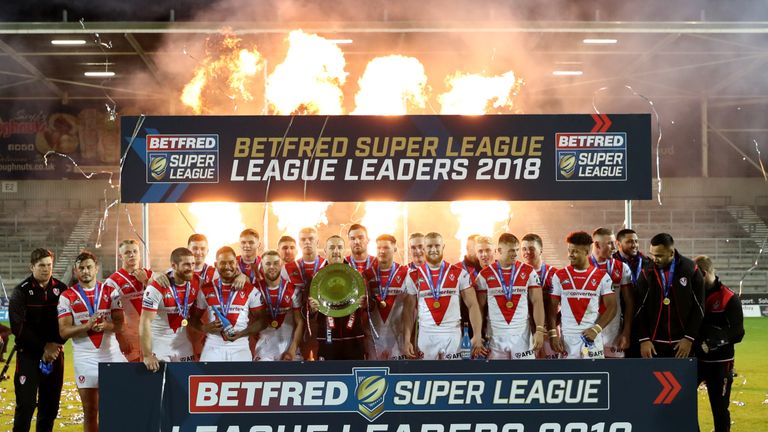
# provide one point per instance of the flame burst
(293, 216)
(221, 222)
(390, 86)
(380, 217)
(478, 217)
(226, 72)
(472, 94)
(309, 80)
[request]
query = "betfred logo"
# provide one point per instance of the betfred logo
(182, 158)
(182, 142)
(590, 140)
(598, 156)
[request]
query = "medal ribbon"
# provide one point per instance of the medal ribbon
(182, 311)
(428, 273)
(507, 289)
(384, 289)
(543, 274)
(472, 273)
(274, 308)
(667, 284)
(353, 262)
(608, 264)
(92, 307)
(226, 303)
(242, 265)
(303, 273)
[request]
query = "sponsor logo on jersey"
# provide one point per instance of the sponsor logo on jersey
(683, 281)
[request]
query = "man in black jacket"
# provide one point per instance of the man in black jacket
(34, 322)
(670, 298)
(723, 326)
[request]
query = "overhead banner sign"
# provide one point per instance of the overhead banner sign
(423, 396)
(386, 158)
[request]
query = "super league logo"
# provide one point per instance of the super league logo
(370, 391)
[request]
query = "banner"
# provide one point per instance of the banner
(386, 158)
(426, 396)
(26, 134)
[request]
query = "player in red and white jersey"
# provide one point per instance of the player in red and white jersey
(418, 253)
(249, 261)
(239, 307)
(286, 248)
(507, 287)
(617, 334)
(386, 287)
(165, 314)
(89, 316)
(437, 287)
(300, 273)
(532, 246)
(198, 244)
(470, 263)
(127, 286)
(484, 251)
(579, 289)
(281, 336)
(358, 246)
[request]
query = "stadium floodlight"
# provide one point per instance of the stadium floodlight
(68, 42)
(567, 72)
(99, 74)
(600, 41)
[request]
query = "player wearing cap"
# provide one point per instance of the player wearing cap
(386, 287)
(346, 337)
(437, 287)
(358, 245)
(508, 287)
(579, 290)
(165, 313)
(127, 285)
(617, 333)
(282, 335)
(532, 246)
(89, 315)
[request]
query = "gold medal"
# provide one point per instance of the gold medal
(584, 351)
(383, 304)
(184, 322)
(274, 324)
(510, 304)
(667, 301)
(436, 305)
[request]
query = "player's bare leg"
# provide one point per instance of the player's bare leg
(90, 399)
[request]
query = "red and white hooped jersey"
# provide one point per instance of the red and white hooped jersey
(580, 293)
(502, 316)
(167, 323)
(441, 315)
(72, 303)
(241, 303)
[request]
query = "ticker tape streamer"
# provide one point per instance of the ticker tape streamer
(760, 159)
(755, 264)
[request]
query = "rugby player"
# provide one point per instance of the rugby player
(470, 263)
(507, 287)
(532, 246)
(418, 252)
(249, 261)
(240, 307)
(386, 286)
(437, 287)
(165, 313)
(198, 244)
(128, 284)
(90, 315)
(358, 245)
(628, 251)
(281, 337)
(578, 290)
(484, 250)
(616, 335)
(286, 249)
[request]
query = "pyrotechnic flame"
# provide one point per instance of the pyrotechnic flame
(293, 216)
(227, 71)
(472, 94)
(309, 80)
(220, 222)
(381, 217)
(390, 86)
(478, 217)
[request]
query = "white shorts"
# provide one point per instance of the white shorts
(440, 346)
(225, 353)
(576, 349)
(175, 356)
(272, 344)
(388, 346)
(87, 366)
(547, 352)
(176, 348)
(611, 348)
(512, 346)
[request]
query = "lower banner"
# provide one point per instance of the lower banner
(425, 396)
